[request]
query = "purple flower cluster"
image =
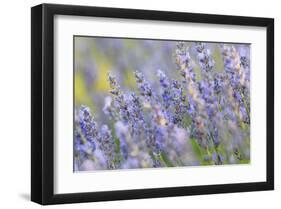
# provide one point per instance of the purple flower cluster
(197, 118)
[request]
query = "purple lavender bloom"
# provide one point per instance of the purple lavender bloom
(166, 89)
(122, 134)
(119, 98)
(136, 118)
(79, 146)
(239, 80)
(107, 146)
(178, 102)
(215, 137)
(244, 114)
(206, 62)
(87, 125)
(84, 148)
(84, 136)
(160, 135)
(232, 65)
(184, 61)
(219, 83)
(107, 108)
(164, 81)
(144, 86)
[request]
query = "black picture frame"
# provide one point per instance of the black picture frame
(42, 103)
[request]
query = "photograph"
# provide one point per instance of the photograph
(152, 103)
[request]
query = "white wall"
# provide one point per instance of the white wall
(15, 103)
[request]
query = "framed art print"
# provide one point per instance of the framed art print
(131, 104)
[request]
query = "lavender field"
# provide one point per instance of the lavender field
(153, 104)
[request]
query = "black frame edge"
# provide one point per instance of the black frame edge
(158, 193)
(48, 105)
(36, 103)
(141, 14)
(270, 103)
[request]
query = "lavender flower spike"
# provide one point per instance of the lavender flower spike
(144, 88)
(206, 62)
(166, 92)
(119, 99)
(107, 146)
(87, 125)
(184, 61)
